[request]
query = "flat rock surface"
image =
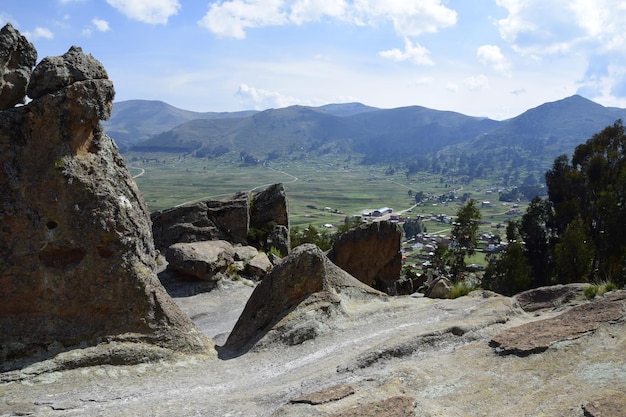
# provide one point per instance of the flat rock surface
(408, 356)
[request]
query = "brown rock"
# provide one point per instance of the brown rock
(77, 261)
(269, 217)
(391, 407)
(304, 279)
(334, 393)
(370, 253)
(17, 59)
(609, 406)
(538, 336)
(203, 260)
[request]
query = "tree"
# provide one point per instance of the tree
(537, 235)
(574, 254)
(509, 273)
(413, 227)
(464, 236)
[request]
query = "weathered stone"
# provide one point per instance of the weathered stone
(549, 297)
(304, 278)
(536, 337)
(268, 212)
(17, 59)
(439, 288)
(258, 266)
(609, 406)
(371, 253)
(205, 220)
(77, 261)
(245, 253)
(327, 395)
(203, 260)
(55, 72)
(391, 407)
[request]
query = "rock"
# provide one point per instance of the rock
(611, 405)
(327, 395)
(269, 217)
(17, 59)
(399, 406)
(305, 280)
(549, 297)
(258, 266)
(536, 337)
(55, 72)
(440, 288)
(206, 220)
(371, 253)
(245, 253)
(77, 260)
(203, 260)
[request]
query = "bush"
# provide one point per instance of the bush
(459, 289)
(598, 289)
(591, 292)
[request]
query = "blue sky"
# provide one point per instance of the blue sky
(494, 58)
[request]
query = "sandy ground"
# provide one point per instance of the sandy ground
(433, 351)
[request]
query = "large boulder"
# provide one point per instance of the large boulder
(303, 286)
(205, 220)
(17, 59)
(77, 259)
(204, 260)
(269, 219)
(370, 253)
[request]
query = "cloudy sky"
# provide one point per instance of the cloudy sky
(494, 58)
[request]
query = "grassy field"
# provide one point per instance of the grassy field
(321, 191)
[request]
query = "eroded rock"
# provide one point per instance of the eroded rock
(204, 260)
(17, 59)
(537, 336)
(370, 253)
(77, 259)
(306, 280)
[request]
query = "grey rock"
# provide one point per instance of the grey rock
(245, 253)
(204, 260)
(17, 59)
(550, 297)
(55, 72)
(269, 217)
(258, 266)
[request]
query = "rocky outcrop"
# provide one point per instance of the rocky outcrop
(77, 259)
(260, 220)
(305, 280)
(206, 220)
(17, 59)
(550, 297)
(370, 253)
(538, 336)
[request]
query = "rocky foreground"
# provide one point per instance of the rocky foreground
(479, 355)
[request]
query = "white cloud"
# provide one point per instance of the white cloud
(147, 11)
(409, 17)
(260, 99)
(39, 33)
(231, 18)
(100, 25)
(478, 82)
(303, 11)
(412, 52)
(491, 56)
(453, 88)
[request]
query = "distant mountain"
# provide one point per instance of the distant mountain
(344, 128)
(536, 137)
(414, 138)
(134, 121)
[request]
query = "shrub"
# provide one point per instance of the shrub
(591, 291)
(459, 289)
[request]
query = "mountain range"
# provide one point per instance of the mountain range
(414, 136)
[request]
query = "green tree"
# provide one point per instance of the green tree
(537, 235)
(464, 236)
(510, 272)
(574, 254)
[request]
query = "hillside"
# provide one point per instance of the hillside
(410, 138)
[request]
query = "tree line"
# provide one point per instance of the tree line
(577, 233)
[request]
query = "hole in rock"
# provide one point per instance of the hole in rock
(51, 225)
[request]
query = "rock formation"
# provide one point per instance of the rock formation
(77, 259)
(259, 219)
(205, 260)
(370, 253)
(17, 59)
(305, 280)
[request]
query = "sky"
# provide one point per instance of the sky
(487, 58)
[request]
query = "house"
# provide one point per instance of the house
(382, 211)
